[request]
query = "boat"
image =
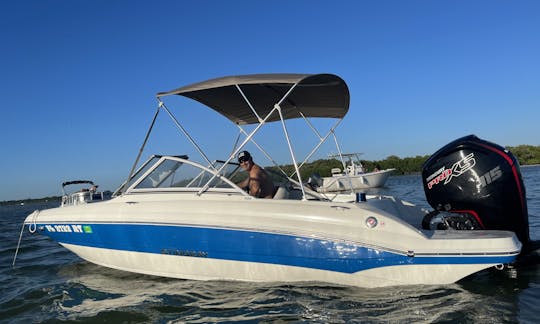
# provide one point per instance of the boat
(353, 176)
(184, 216)
(83, 195)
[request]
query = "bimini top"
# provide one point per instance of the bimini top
(68, 183)
(315, 95)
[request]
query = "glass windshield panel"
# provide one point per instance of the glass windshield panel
(174, 174)
(142, 169)
(230, 171)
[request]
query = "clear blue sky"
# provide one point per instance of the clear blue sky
(78, 78)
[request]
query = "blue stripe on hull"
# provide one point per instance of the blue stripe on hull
(249, 246)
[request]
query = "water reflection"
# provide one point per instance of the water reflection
(92, 290)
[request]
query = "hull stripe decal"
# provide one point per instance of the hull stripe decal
(247, 246)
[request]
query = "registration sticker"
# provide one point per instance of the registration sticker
(73, 228)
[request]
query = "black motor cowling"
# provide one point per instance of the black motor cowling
(481, 181)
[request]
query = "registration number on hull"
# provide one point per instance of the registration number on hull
(68, 228)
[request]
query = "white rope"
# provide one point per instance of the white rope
(32, 227)
(18, 245)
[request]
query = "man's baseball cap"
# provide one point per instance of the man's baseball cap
(244, 156)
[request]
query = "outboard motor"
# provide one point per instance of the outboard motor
(474, 184)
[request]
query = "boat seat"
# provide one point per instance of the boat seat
(336, 171)
(97, 196)
(295, 194)
(281, 193)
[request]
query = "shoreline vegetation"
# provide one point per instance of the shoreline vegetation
(31, 201)
(527, 155)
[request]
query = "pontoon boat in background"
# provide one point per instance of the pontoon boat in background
(186, 218)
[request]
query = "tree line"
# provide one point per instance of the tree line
(525, 154)
(31, 201)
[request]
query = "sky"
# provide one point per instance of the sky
(78, 78)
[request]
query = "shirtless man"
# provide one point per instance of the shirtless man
(258, 183)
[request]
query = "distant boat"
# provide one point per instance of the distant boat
(353, 175)
(83, 196)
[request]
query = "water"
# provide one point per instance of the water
(51, 285)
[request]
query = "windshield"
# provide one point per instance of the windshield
(177, 173)
(142, 169)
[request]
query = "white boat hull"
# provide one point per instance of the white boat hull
(183, 267)
(283, 241)
(355, 182)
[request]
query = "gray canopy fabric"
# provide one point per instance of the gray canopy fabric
(67, 183)
(316, 95)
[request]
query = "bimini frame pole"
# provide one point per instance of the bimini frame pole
(242, 131)
(322, 139)
(291, 151)
(206, 186)
(183, 130)
(249, 103)
(278, 107)
(253, 132)
(122, 191)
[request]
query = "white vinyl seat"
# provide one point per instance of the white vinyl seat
(281, 193)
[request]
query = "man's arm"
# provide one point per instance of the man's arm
(244, 183)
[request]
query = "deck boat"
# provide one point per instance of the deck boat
(183, 217)
(84, 195)
(353, 176)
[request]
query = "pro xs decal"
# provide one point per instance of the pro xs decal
(456, 170)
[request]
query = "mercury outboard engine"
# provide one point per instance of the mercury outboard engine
(474, 184)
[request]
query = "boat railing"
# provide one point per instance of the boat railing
(84, 197)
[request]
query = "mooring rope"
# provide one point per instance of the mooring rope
(18, 245)
(31, 228)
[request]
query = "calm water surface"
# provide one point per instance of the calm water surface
(50, 284)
